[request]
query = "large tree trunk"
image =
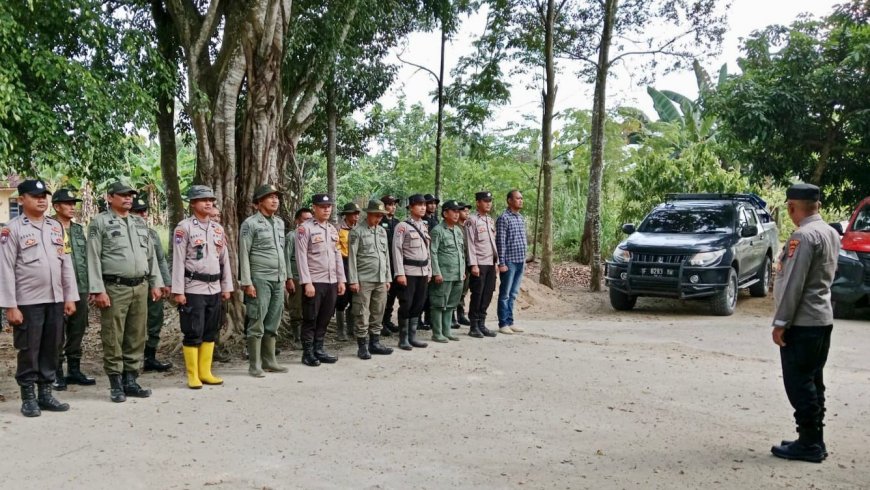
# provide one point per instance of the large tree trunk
(592, 224)
(165, 116)
(546, 149)
(331, 150)
(440, 131)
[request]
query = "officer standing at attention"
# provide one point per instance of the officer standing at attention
(389, 223)
(262, 272)
(460, 317)
(431, 219)
(448, 272)
(804, 319)
(294, 300)
(122, 267)
(343, 317)
(37, 288)
(155, 308)
(369, 276)
(321, 275)
(75, 325)
(412, 270)
(201, 280)
(482, 258)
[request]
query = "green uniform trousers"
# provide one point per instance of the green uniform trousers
(123, 328)
(367, 308)
(292, 323)
(263, 313)
(445, 296)
(74, 330)
(155, 322)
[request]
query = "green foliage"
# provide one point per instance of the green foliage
(69, 86)
(801, 108)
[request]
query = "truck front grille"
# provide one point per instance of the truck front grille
(659, 259)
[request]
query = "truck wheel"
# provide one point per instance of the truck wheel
(760, 288)
(621, 301)
(725, 301)
(843, 311)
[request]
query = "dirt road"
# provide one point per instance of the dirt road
(663, 397)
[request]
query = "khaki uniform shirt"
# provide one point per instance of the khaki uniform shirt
(806, 270)
(261, 249)
(448, 252)
(369, 255)
(290, 255)
(408, 243)
(200, 247)
(481, 240)
(34, 267)
(317, 255)
(120, 247)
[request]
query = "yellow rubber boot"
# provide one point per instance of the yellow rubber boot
(191, 362)
(206, 351)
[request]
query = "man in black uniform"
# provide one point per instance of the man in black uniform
(389, 222)
(804, 319)
(431, 219)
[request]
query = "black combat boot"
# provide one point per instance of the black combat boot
(474, 331)
(485, 331)
(29, 405)
(460, 315)
(403, 334)
(454, 323)
(116, 390)
(59, 380)
(808, 447)
(75, 376)
(151, 362)
(48, 402)
(378, 349)
(363, 348)
(132, 388)
(390, 326)
(321, 354)
(786, 442)
(348, 324)
(340, 334)
(423, 322)
(385, 331)
(308, 357)
(412, 334)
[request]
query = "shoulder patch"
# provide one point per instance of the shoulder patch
(4, 235)
(179, 235)
(300, 230)
(792, 247)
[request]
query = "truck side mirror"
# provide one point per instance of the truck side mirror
(838, 227)
(628, 228)
(749, 231)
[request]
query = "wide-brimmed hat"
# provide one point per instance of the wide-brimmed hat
(375, 207)
(350, 208)
(265, 190)
(200, 192)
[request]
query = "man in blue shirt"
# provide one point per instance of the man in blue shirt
(511, 243)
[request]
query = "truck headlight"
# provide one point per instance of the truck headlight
(704, 259)
(849, 254)
(621, 255)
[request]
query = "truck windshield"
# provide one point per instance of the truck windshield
(862, 221)
(705, 220)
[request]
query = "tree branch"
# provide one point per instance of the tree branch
(420, 67)
(660, 50)
(205, 29)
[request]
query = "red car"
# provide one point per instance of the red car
(851, 288)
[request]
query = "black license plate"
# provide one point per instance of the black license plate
(657, 271)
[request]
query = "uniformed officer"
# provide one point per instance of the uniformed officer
(262, 272)
(37, 288)
(201, 280)
(75, 245)
(322, 279)
(448, 271)
(294, 299)
(369, 276)
(482, 259)
(155, 308)
(122, 267)
(412, 270)
(389, 223)
(343, 318)
(431, 219)
(460, 317)
(804, 319)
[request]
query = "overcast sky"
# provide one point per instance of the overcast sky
(744, 17)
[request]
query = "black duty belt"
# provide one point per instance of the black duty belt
(124, 281)
(202, 277)
(418, 263)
